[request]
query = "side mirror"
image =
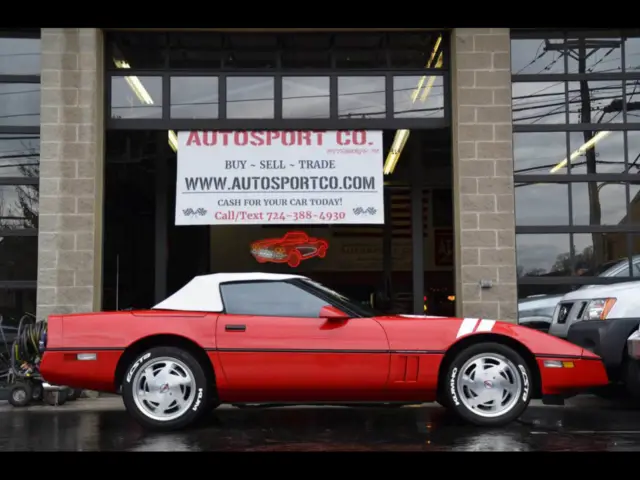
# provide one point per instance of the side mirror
(332, 313)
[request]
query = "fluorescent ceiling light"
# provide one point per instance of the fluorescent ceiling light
(581, 150)
(396, 149)
(173, 140)
(145, 98)
(401, 136)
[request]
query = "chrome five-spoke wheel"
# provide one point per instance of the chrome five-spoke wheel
(489, 384)
(164, 388)
(167, 388)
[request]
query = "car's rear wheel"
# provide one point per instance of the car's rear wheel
(166, 388)
(488, 384)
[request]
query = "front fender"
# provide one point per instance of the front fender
(539, 343)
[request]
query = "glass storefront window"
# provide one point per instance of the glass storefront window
(19, 206)
(542, 204)
(20, 104)
(418, 96)
(19, 56)
(577, 219)
(194, 97)
(538, 103)
(18, 258)
(250, 97)
(19, 155)
(361, 97)
(14, 303)
(305, 97)
(136, 97)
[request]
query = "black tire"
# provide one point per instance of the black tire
(199, 400)
(453, 394)
(37, 392)
(21, 394)
(443, 400)
(631, 375)
(73, 394)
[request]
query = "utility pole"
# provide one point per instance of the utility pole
(580, 50)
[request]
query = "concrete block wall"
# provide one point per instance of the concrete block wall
(71, 156)
(483, 173)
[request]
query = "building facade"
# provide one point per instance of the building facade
(517, 103)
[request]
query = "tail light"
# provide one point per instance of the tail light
(53, 337)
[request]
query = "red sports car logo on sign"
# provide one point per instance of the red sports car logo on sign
(292, 249)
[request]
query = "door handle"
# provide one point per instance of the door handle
(235, 328)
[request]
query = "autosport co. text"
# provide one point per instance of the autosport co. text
(280, 183)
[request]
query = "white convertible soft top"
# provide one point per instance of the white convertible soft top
(202, 294)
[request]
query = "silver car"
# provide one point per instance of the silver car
(537, 311)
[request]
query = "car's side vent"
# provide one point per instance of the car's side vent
(404, 368)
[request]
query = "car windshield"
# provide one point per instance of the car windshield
(361, 309)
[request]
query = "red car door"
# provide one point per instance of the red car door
(293, 355)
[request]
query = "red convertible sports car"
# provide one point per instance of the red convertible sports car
(272, 338)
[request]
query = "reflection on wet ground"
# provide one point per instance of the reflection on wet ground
(325, 429)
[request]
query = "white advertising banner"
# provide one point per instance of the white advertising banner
(279, 177)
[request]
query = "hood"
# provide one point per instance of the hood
(602, 291)
(437, 334)
(538, 302)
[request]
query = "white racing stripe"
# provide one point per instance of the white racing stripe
(485, 326)
(474, 325)
(467, 326)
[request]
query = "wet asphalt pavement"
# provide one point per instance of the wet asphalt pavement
(102, 425)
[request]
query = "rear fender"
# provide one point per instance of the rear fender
(118, 330)
(55, 331)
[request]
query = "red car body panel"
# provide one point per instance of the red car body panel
(303, 359)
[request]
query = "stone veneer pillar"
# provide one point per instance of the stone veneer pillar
(71, 171)
(483, 173)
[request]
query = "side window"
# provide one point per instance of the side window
(636, 269)
(276, 299)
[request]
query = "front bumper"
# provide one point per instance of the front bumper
(563, 377)
(633, 345)
(605, 338)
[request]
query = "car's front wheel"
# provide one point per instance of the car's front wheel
(488, 384)
(166, 388)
